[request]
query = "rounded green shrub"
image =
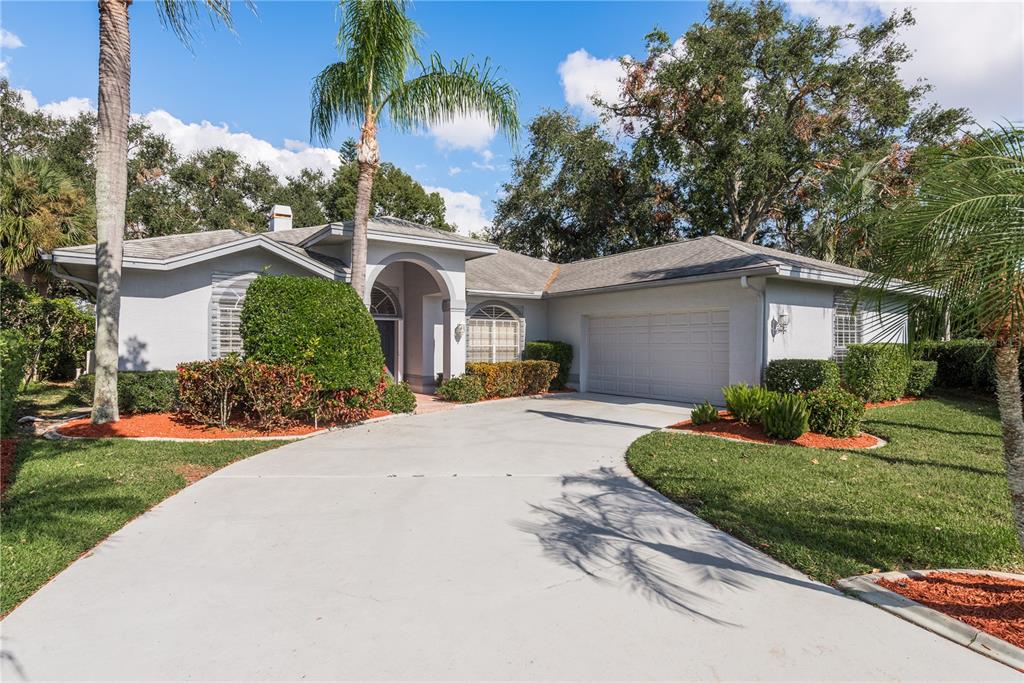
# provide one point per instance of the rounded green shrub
(704, 413)
(556, 351)
(788, 375)
(319, 326)
(922, 377)
(398, 398)
(877, 372)
(785, 416)
(14, 356)
(834, 412)
(462, 389)
(154, 391)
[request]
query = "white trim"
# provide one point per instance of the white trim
(504, 295)
(193, 257)
(378, 235)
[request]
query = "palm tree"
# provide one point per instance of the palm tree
(961, 236)
(112, 171)
(378, 45)
(43, 210)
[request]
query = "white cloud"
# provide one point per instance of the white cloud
(5, 65)
(485, 166)
(971, 52)
(63, 109)
(9, 41)
(282, 161)
(487, 155)
(462, 209)
(472, 131)
(584, 76)
(454, 170)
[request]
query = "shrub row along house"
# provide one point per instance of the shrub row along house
(674, 322)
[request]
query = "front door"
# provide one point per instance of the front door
(387, 343)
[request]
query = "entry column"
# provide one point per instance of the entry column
(454, 337)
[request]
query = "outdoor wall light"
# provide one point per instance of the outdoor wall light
(459, 329)
(780, 323)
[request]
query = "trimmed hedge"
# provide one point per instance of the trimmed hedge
(922, 377)
(137, 392)
(319, 326)
(834, 412)
(962, 363)
(556, 351)
(515, 377)
(14, 355)
(461, 389)
(790, 375)
(398, 398)
(877, 372)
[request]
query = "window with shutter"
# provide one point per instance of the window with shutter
(225, 312)
(846, 324)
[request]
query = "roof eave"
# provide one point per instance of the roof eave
(766, 271)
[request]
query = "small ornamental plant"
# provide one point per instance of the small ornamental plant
(785, 416)
(703, 414)
(461, 389)
(746, 402)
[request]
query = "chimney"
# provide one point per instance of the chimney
(280, 218)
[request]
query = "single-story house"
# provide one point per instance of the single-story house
(674, 322)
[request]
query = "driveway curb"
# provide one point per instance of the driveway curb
(866, 588)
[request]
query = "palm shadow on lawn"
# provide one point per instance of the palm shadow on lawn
(614, 529)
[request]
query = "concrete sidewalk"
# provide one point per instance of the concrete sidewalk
(497, 541)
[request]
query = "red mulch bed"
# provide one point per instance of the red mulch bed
(176, 426)
(988, 603)
(886, 404)
(8, 449)
(729, 428)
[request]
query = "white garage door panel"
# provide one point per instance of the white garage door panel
(672, 356)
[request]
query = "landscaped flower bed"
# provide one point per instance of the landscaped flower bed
(729, 427)
(178, 426)
(991, 604)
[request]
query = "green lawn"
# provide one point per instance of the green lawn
(69, 495)
(45, 398)
(936, 496)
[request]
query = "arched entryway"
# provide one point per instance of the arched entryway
(410, 299)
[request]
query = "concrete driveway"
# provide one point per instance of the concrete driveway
(497, 541)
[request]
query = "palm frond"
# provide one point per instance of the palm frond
(180, 15)
(962, 236)
(441, 93)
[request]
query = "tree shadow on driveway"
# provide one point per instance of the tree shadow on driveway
(616, 530)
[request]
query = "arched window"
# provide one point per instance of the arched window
(493, 333)
(383, 303)
(226, 301)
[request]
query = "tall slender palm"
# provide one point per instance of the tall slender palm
(112, 171)
(378, 45)
(962, 236)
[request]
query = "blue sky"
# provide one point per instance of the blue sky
(252, 87)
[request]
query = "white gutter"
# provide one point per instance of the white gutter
(668, 282)
(504, 295)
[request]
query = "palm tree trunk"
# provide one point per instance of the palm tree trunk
(111, 196)
(368, 156)
(1008, 395)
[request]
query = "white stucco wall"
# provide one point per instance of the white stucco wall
(567, 318)
(165, 315)
(811, 312)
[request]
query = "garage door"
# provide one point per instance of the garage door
(671, 356)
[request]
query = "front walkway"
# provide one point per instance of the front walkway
(503, 540)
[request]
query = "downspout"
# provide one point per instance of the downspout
(762, 343)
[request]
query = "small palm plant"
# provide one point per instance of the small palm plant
(378, 45)
(960, 238)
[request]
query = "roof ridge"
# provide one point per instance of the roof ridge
(636, 251)
(744, 248)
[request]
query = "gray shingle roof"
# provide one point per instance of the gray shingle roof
(510, 272)
(169, 246)
(507, 271)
